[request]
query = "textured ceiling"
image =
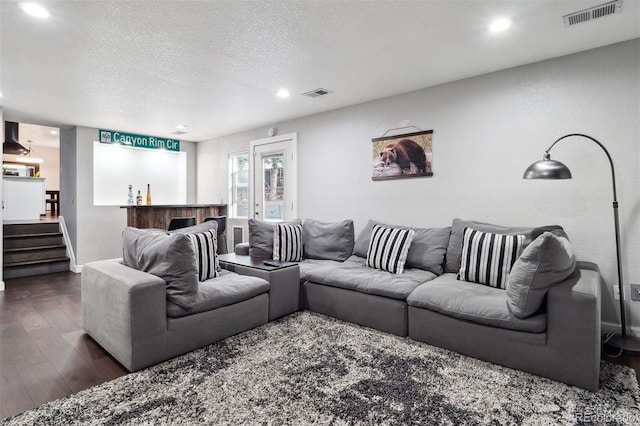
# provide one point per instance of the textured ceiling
(145, 66)
(38, 136)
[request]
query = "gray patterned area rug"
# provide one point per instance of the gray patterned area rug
(308, 368)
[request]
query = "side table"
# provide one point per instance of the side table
(284, 294)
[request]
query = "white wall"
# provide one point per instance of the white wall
(98, 229)
(50, 166)
(487, 130)
(115, 167)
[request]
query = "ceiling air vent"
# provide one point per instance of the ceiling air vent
(179, 132)
(592, 13)
(317, 92)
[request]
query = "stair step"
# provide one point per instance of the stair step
(33, 248)
(26, 269)
(37, 235)
(9, 265)
(33, 253)
(33, 240)
(30, 228)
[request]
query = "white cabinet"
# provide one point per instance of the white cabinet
(23, 198)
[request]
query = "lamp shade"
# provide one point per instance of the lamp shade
(547, 169)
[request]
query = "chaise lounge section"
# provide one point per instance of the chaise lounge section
(142, 319)
(125, 311)
(561, 342)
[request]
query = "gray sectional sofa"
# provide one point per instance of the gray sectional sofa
(559, 340)
(550, 328)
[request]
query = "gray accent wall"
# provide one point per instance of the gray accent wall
(68, 173)
(487, 130)
(96, 231)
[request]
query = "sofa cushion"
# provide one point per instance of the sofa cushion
(427, 249)
(287, 242)
(227, 289)
(330, 241)
(171, 257)
(261, 237)
(548, 260)
(388, 248)
(454, 250)
(354, 275)
(487, 258)
(206, 247)
(471, 302)
(308, 265)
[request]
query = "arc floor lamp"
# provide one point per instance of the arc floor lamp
(552, 169)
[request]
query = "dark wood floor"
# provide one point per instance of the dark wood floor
(45, 355)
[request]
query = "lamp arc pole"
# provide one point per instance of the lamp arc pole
(616, 220)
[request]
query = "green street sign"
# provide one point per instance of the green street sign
(138, 141)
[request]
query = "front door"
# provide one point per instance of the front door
(273, 193)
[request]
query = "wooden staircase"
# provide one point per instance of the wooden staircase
(33, 249)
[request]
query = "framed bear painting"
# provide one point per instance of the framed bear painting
(402, 156)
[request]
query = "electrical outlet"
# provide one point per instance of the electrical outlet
(635, 292)
(616, 292)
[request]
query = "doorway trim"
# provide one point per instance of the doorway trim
(292, 139)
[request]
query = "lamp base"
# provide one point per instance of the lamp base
(626, 344)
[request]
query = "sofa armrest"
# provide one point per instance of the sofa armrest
(125, 311)
(573, 306)
(242, 249)
(573, 309)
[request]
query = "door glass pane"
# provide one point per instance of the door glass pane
(273, 191)
(239, 185)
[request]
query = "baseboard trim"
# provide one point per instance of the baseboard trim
(76, 269)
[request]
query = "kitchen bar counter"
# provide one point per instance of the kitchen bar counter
(159, 216)
(23, 197)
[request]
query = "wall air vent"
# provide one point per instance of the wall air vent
(238, 235)
(317, 92)
(590, 14)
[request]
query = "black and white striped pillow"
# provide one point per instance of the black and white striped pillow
(206, 247)
(487, 258)
(287, 243)
(388, 248)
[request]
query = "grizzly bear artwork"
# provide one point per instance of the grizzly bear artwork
(403, 153)
(406, 155)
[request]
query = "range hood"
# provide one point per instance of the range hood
(11, 144)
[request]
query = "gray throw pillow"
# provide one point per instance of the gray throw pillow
(210, 225)
(331, 241)
(261, 237)
(427, 249)
(169, 256)
(454, 250)
(548, 260)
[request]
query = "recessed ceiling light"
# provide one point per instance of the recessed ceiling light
(181, 127)
(34, 9)
(500, 25)
(283, 93)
